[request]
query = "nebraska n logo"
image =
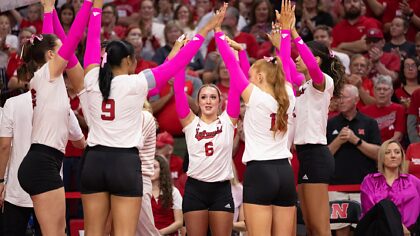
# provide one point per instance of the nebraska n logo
(339, 210)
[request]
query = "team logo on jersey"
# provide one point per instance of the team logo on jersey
(361, 131)
(199, 135)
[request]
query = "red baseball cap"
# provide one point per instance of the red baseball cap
(164, 138)
(374, 33)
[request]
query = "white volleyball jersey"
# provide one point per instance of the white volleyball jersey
(210, 149)
(260, 142)
(312, 113)
(116, 122)
(147, 152)
(51, 110)
(16, 123)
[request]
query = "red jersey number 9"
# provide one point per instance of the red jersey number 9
(209, 149)
(108, 110)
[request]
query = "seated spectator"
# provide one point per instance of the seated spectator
(322, 34)
(134, 37)
(166, 200)
(413, 118)
(184, 17)
(15, 61)
(359, 68)
(172, 32)
(348, 33)
(383, 63)
(110, 29)
(390, 116)
(165, 148)
(153, 35)
(353, 139)
(410, 79)
(127, 11)
(311, 17)
(393, 183)
(247, 40)
(260, 24)
(413, 156)
(398, 43)
(33, 19)
(66, 16)
(8, 41)
(165, 11)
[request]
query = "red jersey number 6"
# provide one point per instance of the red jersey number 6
(209, 149)
(108, 109)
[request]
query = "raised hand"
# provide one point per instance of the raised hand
(275, 35)
(48, 5)
(233, 44)
(287, 16)
(179, 43)
(216, 21)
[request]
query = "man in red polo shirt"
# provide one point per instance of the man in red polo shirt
(348, 33)
(384, 63)
(248, 40)
(165, 147)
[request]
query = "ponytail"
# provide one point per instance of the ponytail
(280, 94)
(105, 73)
(337, 72)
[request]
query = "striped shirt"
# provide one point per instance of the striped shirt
(147, 152)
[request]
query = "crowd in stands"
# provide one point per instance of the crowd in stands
(377, 41)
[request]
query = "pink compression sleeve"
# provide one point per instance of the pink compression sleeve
(284, 54)
(297, 78)
(47, 24)
(93, 41)
(310, 61)
(164, 72)
(76, 31)
(244, 62)
(59, 31)
(238, 81)
(181, 101)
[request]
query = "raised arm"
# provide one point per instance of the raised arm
(243, 58)
(92, 56)
(59, 63)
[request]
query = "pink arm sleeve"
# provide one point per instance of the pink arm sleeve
(284, 54)
(297, 77)
(167, 70)
(59, 31)
(93, 41)
(310, 61)
(181, 101)
(238, 81)
(47, 24)
(244, 62)
(76, 31)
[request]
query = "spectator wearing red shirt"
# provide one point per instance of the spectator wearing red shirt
(134, 37)
(410, 79)
(359, 67)
(247, 40)
(386, 10)
(127, 11)
(384, 63)
(348, 33)
(413, 118)
(413, 155)
(33, 19)
(110, 29)
(166, 200)
(165, 148)
(390, 116)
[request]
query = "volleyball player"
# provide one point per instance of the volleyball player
(269, 191)
(39, 174)
(111, 98)
(324, 77)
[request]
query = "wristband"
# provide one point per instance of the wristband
(359, 142)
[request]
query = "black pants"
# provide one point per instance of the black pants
(16, 220)
(383, 219)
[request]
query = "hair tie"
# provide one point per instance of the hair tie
(104, 57)
(270, 59)
(34, 36)
(332, 55)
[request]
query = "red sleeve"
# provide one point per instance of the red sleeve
(372, 23)
(212, 46)
(253, 46)
(395, 63)
(400, 121)
(408, 153)
(413, 109)
(336, 40)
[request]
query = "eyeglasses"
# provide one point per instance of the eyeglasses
(382, 89)
(409, 66)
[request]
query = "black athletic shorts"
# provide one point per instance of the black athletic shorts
(113, 170)
(270, 183)
(39, 171)
(316, 163)
(211, 196)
